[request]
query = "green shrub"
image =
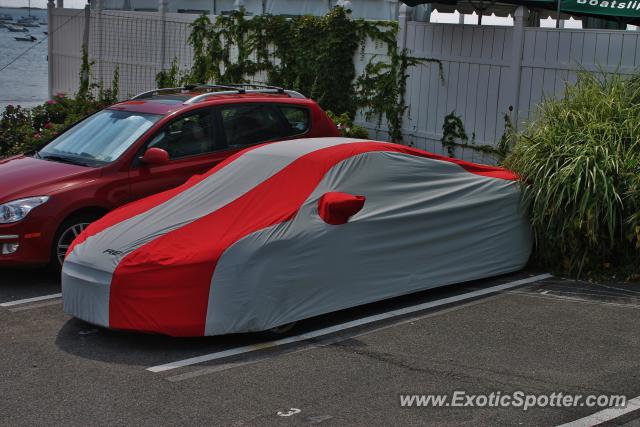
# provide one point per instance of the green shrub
(346, 126)
(580, 160)
(27, 129)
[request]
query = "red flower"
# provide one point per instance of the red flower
(36, 136)
(48, 125)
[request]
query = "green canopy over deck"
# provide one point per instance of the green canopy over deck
(627, 10)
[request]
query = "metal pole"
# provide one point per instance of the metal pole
(163, 33)
(558, 13)
(50, 6)
(99, 7)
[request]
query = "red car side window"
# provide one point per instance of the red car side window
(250, 124)
(189, 135)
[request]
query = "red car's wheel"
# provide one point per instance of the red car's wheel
(68, 231)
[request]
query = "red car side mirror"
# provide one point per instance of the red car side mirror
(336, 208)
(155, 157)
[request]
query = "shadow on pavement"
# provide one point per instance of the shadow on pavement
(88, 341)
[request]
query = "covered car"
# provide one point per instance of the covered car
(286, 231)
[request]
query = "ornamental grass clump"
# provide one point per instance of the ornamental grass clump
(580, 163)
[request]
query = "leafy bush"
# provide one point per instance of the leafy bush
(27, 129)
(580, 160)
(346, 126)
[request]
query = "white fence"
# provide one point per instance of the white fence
(487, 70)
(138, 43)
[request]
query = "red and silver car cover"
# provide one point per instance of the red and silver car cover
(258, 242)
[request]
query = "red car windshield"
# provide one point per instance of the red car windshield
(99, 139)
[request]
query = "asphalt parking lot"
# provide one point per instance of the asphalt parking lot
(545, 336)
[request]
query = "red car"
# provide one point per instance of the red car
(148, 144)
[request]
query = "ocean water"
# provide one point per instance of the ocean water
(25, 82)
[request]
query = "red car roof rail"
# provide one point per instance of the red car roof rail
(204, 96)
(150, 93)
(239, 88)
(186, 88)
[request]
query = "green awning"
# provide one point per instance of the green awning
(621, 9)
(627, 10)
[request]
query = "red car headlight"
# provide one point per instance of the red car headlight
(17, 210)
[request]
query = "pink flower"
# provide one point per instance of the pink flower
(48, 125)
(60, 95)
(52, 102)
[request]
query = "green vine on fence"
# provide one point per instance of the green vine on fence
(454, 135)
(311, 54)
(382, 87)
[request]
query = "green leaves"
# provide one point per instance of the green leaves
(345, 125)
(580, 160)
(381, 88)
(311, 54)
(26, 129)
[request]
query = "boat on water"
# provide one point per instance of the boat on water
(16, 28)
(5, 17)
(29, 38)
(28, 18)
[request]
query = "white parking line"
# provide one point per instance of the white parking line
(324, 342)
(30, 300)
(34, 306)
(332, 329)
(605, 415)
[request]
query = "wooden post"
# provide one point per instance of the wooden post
(405, 15)
(403, 18)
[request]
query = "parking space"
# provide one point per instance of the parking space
(19, 284)
(545, 336)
